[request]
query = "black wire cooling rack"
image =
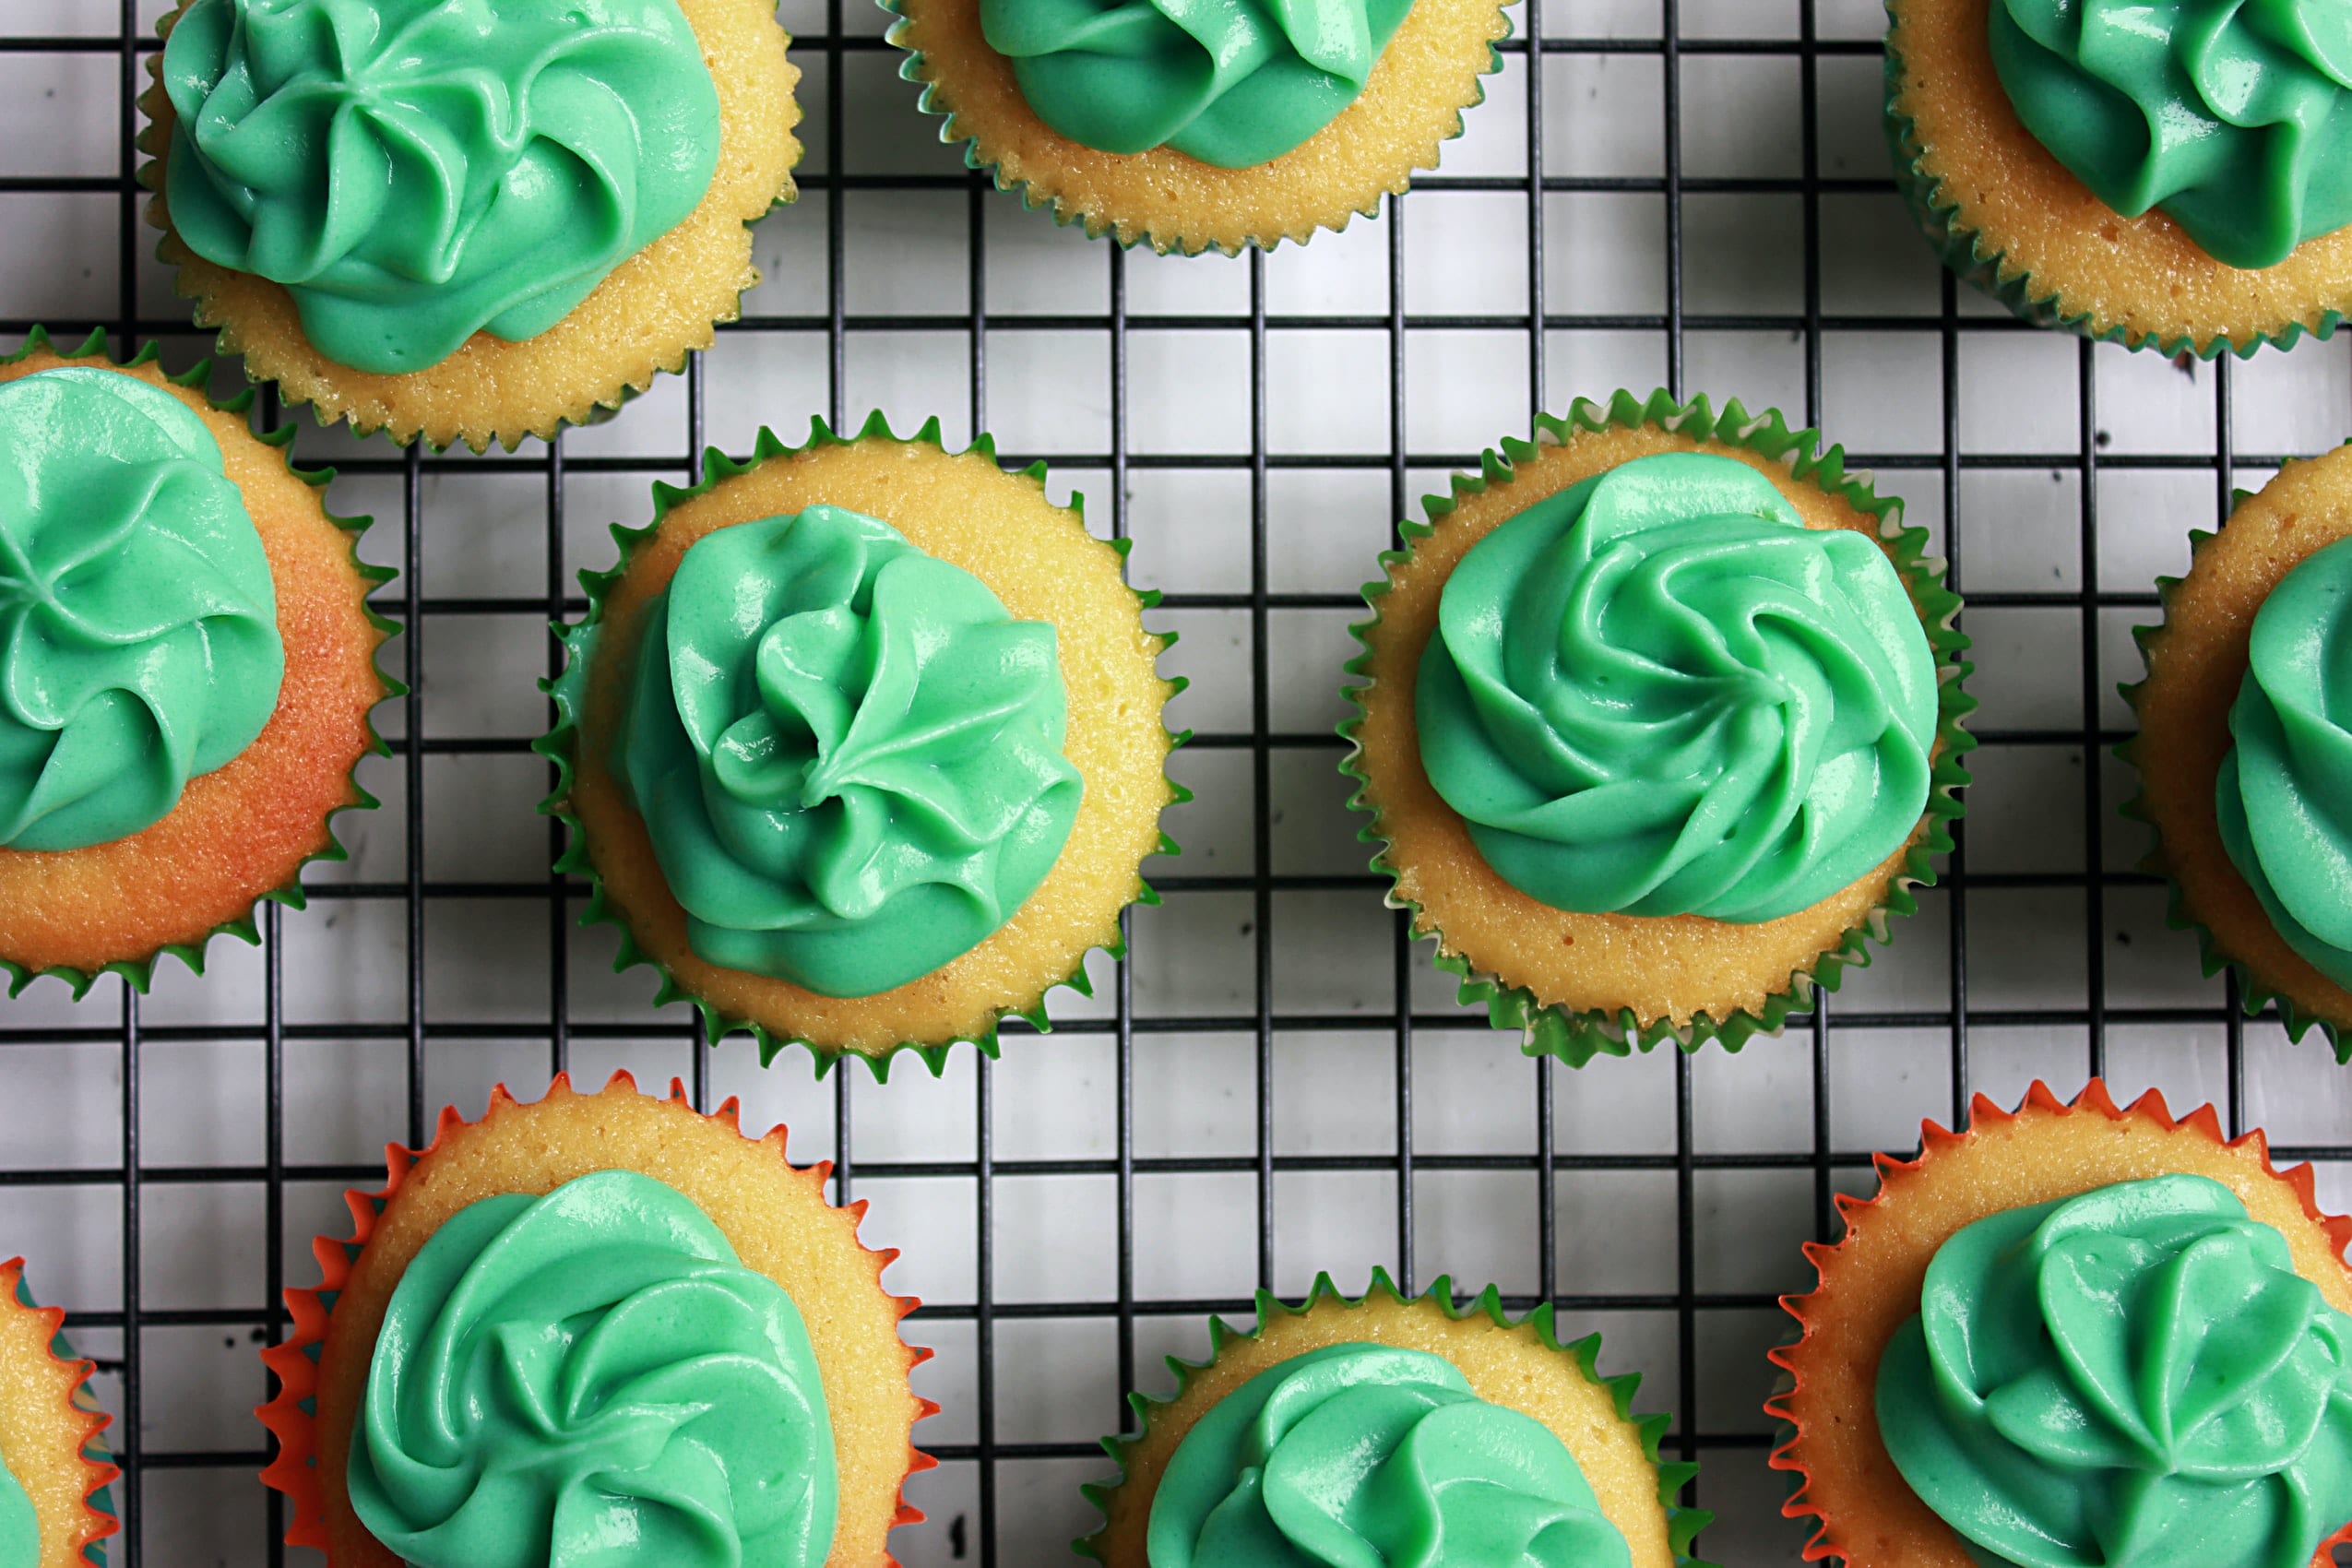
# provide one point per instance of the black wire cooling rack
(972, 1499)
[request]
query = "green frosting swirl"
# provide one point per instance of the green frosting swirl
(2133, 1378)
(848, 752)
(19, 1525)
(1235, 83)
(1357, 1454)
(138, 622)
(591, 1379)
(417, 171)
(1658, 692)
(2283, 798)
(2235, 117)
(1360, 1454)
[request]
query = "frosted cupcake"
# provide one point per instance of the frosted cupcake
(188, 665)
(2076, 1335)
(595, 1328)
(1389, 1430)
(2245, 746)
(2168, 177)
(1660, 721)
(462, 221)
(862, 745)
(1192, 128)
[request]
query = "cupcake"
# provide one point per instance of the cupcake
(1194, 128)
(2245, 746)
(187, 662)
(2160, 176)
(466, 222)
(860, 744)
(1388, 1429)
(597, 1328)
(2075, 1336)
(1659, 718)
(54, 1508)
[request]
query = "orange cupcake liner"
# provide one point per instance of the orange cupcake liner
(295, 1362)
(73, 1374)
(1896, 1175)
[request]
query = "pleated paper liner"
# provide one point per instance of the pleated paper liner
(2196, 661)
(852, 1318)
(1593, 1414)
(1550, 1025)
(644, 319)
(50, 1425)
(2174, 298)
(1427, 78)
(286, 743)
(1845, 1482)
(771, 1030)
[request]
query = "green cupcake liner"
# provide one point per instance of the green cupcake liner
(1990, 271)
(1683, 1524)
(1576, 1037)
(914, 69)
(2252, 994)
(101, 1500)
(560, 745)
(140, 972)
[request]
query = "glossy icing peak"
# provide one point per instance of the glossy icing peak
(848, 752)
(1357, 1454)
(592, 1379)
(1658, 692)
(2233, 116)
(1234, 83)
(2283, 798)
(2135, 1377)
(138, 622)
(417, 171)
(19, 1525)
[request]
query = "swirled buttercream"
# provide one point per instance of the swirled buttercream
(139, 620)
(1235, 83)
(1354, 1454)
(1658, 692)
(591, 1379)
(19, 1525)
(847, 753)
(2135, 1377)
(2233, 116)
(418, 170)
(2283, 798)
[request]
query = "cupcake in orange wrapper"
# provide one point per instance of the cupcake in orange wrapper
(187, 667)
(53, 1509)
(1393, 1429)
(2071, 1335)
(598, 1327)
(466, 221)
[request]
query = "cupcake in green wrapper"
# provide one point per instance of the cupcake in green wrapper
(1660, 720)
(862, 745)
(1192, 128)
(1392, 1428)
(2245, 746)
(2176, 177)
(187, 666)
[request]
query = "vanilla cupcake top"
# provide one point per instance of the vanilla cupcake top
(1658, 692)
(2234, 119)
(1231, 84)
(139, 620)
(418, 170)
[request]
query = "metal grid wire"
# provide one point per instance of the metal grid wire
(971, 1517)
